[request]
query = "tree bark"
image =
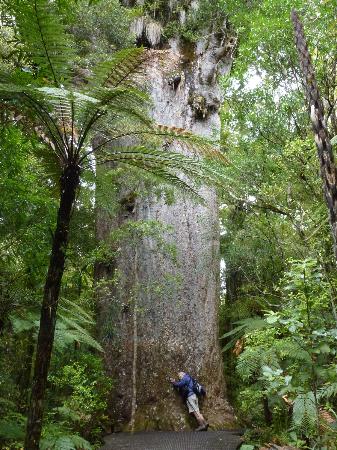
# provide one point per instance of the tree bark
(177, 300)
(69, 183)
(324, 148)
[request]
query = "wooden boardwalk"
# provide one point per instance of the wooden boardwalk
(171, 440)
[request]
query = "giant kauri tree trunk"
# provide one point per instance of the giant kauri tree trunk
(163, 311)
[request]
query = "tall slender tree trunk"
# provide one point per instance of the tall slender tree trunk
(322, 139)
(69, 183)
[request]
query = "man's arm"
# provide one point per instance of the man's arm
(178, 384)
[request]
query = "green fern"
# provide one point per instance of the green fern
(70, 326)
(327, 391)
(243, 326)
(68, 332)
(66, 442)
(42, 34)
(12, 427)
(288, 348)
(304, 412)
(57, 438)
(119, 70)
(251, 361)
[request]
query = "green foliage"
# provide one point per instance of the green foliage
(276, 240)
(208, 17)
(99, 28)
(305, 412)
(59, 440)
(12, 427)
(43, 38)
(82, 392)
(290, 360)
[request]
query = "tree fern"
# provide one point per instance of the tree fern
(42, 35)
(119, 70)
(71, 326)
(68, 332)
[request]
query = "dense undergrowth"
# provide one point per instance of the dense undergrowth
(278, 311)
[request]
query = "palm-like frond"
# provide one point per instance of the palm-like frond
(119, 71)
(198, 145)
(71, 326)
(67, 126)
(43, 37)
(37, 111)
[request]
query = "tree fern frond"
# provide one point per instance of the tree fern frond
(251, 361)
(166, 177)
(119, 70)
(67, 334)
(120, 95)
(76, 310)
(159, 173)
(62, 440)
(288, 348)
(243, 326)
(36, 110)
(163, 164)
(199, 145)
(26, 323)
(43, 37)
(249, 364)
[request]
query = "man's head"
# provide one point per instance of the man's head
(181, 375)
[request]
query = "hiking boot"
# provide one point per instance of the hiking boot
(202, 427)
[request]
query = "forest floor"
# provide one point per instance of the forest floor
(171, 440)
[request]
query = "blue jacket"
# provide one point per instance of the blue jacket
(185, 386)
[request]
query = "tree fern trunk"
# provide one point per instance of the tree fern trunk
(322, 139)
(69, 184)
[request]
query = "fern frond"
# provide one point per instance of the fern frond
(20, 324)
(75, 310)
(328, 391)
(251, 361)
(288, 348)
(12, 427)
(166, 166)
(196, 144)
(43, 37)
(68, 332)
(57, 438)
(243, 326)
(36, 109)
(304, 412)
(119, 71)
(164, 176)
